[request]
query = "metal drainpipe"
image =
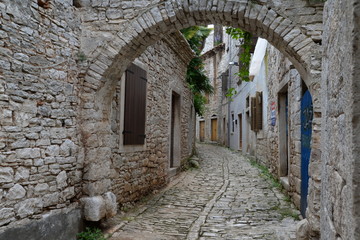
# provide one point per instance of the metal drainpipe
(229, 86)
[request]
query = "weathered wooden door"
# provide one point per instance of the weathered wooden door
(306, 129)
(240, 132)
(175, 149)
(213, 129)
(202, 131)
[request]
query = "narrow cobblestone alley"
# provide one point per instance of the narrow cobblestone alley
(225, 198)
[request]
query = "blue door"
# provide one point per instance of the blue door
(306, 129)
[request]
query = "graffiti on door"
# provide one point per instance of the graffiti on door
(306, 129)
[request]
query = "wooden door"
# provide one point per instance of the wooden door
(306, 130)
(175, 144)
(202, 131)
(213, 129)
(240, 132)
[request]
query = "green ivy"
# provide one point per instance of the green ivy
(230, 93)
(245, 55)
(195, 76)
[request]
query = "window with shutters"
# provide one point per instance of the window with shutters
(253, 113)
(257, 112)
(134, 116)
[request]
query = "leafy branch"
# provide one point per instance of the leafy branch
(245, 55)
(230, 93)
(195, 76)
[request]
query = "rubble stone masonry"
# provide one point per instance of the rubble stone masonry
(44, 150)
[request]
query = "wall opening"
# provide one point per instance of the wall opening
(175, 143)
(283, 133)
(214, 135)
(306, 131)
(202, 131)
(240, 132)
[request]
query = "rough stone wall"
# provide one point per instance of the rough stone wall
(136, 173)
(279, 74)
(340, 96)
(42, 140)
(294, 94)
(40, 161)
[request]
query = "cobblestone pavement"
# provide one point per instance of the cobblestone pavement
(224, 199)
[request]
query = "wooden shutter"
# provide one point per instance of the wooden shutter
(135, 106)
(259, 110)
(253, 113)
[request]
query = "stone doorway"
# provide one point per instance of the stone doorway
(175, 151)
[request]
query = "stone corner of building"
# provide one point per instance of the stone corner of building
(96, 208)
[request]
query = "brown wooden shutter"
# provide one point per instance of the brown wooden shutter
(259, 110)
(253, 113)
(135, 106)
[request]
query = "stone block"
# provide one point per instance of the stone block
(22, 174)
(41, 188)
(16, 192)
(94, 208)
(302, 230)
(97, 170)
(68, 193)
(111, 204)
(114, 13)
(53, 150)
(62, 225)
(51, 199)
(6, 215)
(67, 148)
(61, 179)
(28, 153)
(6, 175)
(28, 207)
(96, 188)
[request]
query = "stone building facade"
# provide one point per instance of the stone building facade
(136, 171)
(45, 177)
(281, 149)
(216, 55)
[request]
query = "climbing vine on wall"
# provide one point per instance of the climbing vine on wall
(195, 76)
(245, 55)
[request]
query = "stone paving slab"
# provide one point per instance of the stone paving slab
(225, 199)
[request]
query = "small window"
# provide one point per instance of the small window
(256, 112)
(232, 123)
(135, 106)
(218, 34)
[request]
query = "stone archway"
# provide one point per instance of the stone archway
(129, 38)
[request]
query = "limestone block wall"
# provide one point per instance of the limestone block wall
(138, 172)
(44, 148)
(278, 67)
(40, 160)
(340, 132)
(280, 74)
